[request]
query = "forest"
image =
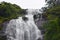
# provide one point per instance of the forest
(52, 13)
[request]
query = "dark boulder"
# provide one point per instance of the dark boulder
(25, 18)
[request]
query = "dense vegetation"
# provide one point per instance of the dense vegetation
(9, 11)
(52, 27)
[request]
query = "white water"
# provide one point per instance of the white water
(18, 29)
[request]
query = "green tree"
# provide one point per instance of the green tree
(9, 11)
(53, 24)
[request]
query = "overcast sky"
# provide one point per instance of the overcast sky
(30, 4)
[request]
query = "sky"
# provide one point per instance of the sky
(27, 4)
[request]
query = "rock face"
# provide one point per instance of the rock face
(2, 31)
(39, 22)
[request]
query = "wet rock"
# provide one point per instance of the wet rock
(39, 38)
(42, 31)
(3, 37)
(25, 18)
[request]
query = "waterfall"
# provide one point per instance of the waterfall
(20, 29)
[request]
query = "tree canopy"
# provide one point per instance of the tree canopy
(9, 11)
(52, 26)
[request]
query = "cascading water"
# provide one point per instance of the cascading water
(18, 29)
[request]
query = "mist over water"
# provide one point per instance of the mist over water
(24, 29)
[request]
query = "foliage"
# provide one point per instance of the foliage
(9, 11)
(53, 24)
(52, 30)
